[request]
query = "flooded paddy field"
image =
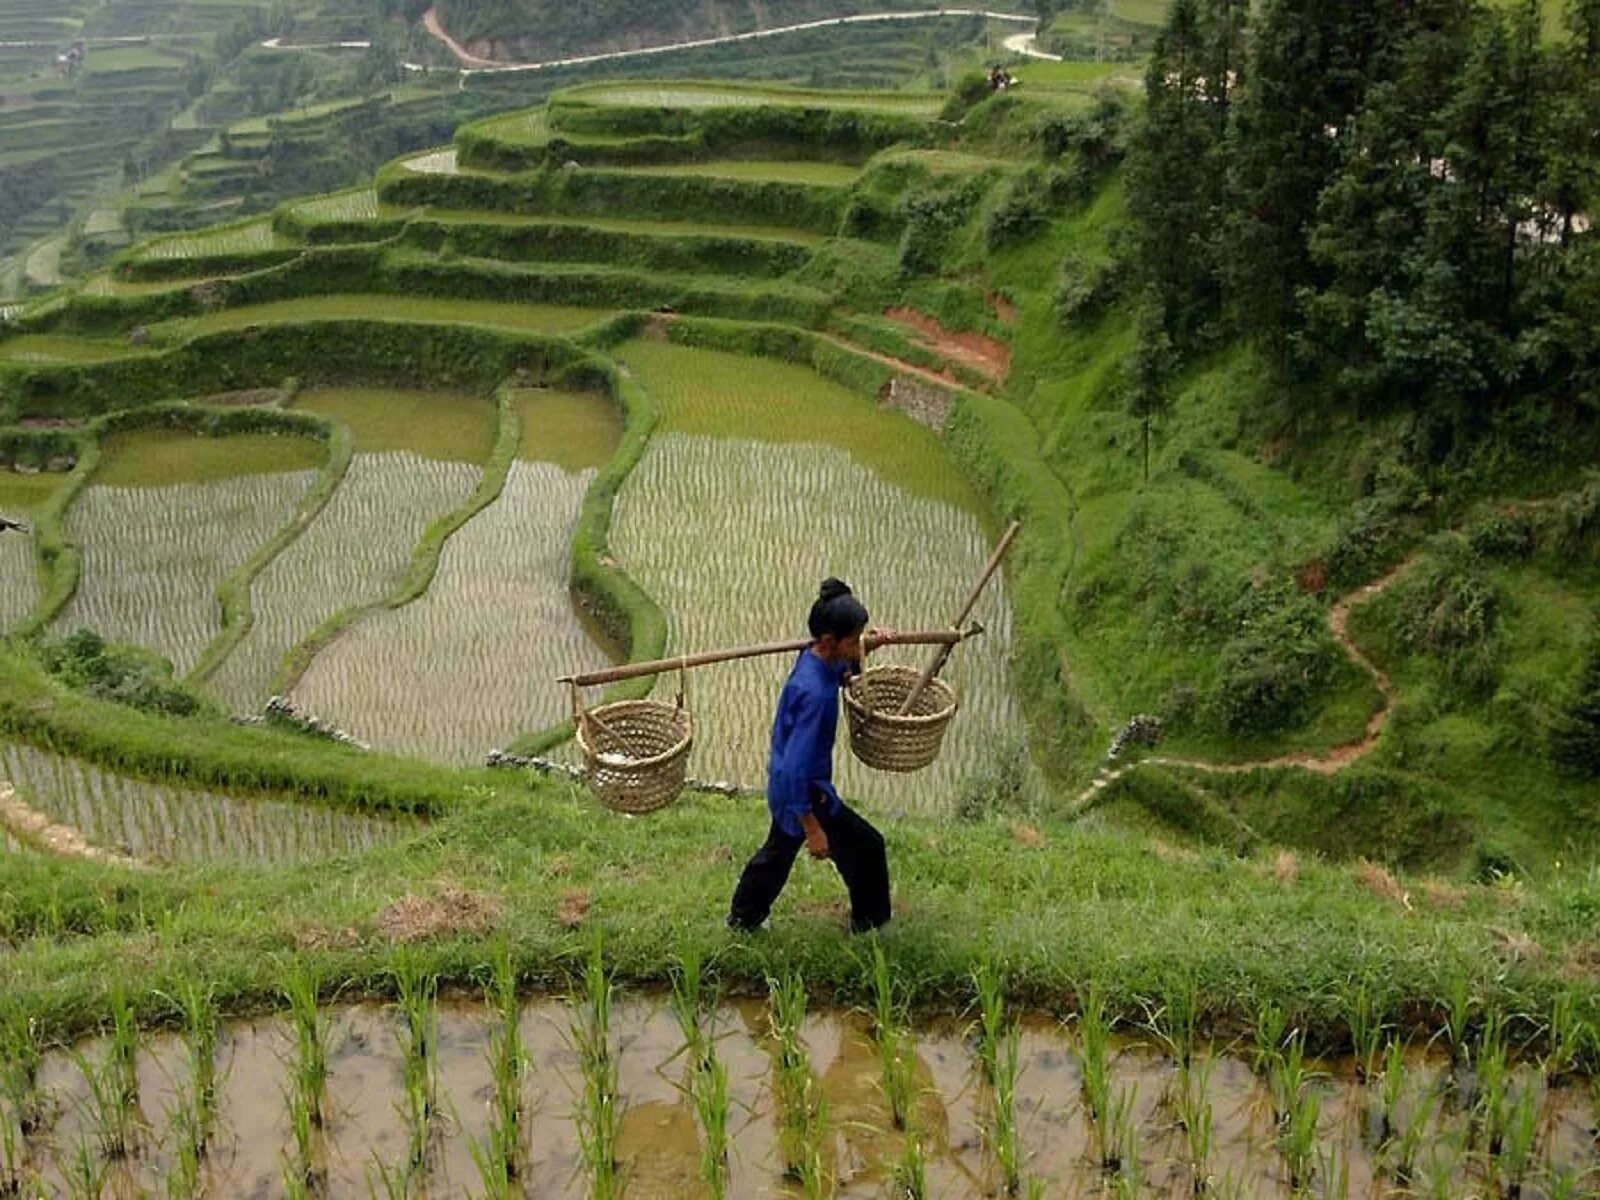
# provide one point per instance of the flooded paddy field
(468, 667)
(165, 519)
(418, 455)
(978, 1121)
(166, 823)
(765, 479)
(20, 497)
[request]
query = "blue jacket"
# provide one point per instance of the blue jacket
(800, 769)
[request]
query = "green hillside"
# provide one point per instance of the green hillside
(1277, 752)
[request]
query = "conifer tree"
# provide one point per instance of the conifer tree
(1174, 176)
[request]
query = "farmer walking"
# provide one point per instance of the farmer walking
(805, 808)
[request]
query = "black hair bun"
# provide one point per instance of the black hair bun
(832, 589)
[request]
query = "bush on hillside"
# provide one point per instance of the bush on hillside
(1450, 611)
(1086, 288)
(1575, 731)
(1271, 668)
(931, 221)
(124, 674)
(971, 89)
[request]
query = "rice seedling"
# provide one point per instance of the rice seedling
(911, 1171)
(499, 1162)
(1520, 1136)
(393, 1182)
(418, 1003)
(599, 1115)
(13, 1160)
(1119, 1149)
(1566, 1035)
(1487, 1122)
(113, 1118)
(1270, 1029)
(1287, 1077)
(21, 1059)
(1196, 1117)
(1094, 1059)
(497, 615)
(1405, 1148)
(1440, 1177)
(200, 1031)
(1459, 1006)
(990, 987)
(1566, 1183)
(1002, 1133)
(304, 1173)
(892, 1040)
(85, 1174)
(183, 1177)
(688, 1001)
(168, 823)
(309, 1069)
(712, 1107)
(1173, 1023)
(1333, 1170)
(998, 1056)
(801, 1111)
(708, 1077)
(1297, 1139)
(1391, 1089)
(1366, 1033)
(897, 531)
(153, 556)
(122, 1054)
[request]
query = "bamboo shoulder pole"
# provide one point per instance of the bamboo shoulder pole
(932, 637)
(942, 654)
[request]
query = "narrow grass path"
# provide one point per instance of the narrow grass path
(33, 828)
(1328, 762)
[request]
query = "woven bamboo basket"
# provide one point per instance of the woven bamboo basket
(885, 740)
(636, 752)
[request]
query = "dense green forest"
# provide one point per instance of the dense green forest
(1391, 201)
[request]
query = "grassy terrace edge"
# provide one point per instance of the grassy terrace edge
(1066, 907)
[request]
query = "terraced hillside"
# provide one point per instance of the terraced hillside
(623, 377)
(96, 96)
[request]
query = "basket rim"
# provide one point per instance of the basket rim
(639, 764)
(911, 720)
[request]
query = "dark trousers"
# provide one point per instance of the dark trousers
(856, 849)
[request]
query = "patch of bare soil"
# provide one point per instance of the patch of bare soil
(990, 358)
(573, 907)
(448, 912)
(35, 829)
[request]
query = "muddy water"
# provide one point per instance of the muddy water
(660, 1138)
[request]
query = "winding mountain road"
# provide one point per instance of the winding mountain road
(472, 64)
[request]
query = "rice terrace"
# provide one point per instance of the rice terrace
(1181, 422)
